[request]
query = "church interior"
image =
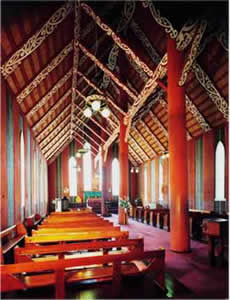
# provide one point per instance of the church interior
(114, 150)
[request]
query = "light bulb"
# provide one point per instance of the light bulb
(87, 112)
(96, 104)
(78, 155)
(137, 170)
(105, 112)
(79, 169)
(132, 170)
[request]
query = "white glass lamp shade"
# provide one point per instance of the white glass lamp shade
(78, 155)
(96, 105)
(87, 112)
(132, 170)
(137, 170)
(105, 112)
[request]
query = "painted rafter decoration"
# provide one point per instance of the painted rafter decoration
(165, 105)
(135, 157)
(149, 87)
(193, 52)
(50, 112)
(107, 71)
(44, 73)
(164, 22)
(75, 57)
(213, 93)
(222, 37)
(196, 113)
(90, 83)
(118, 40)
(153, 152)
(47, 97)
(36, 40)
(186, 34)
(149, 131)
(136, 154)
(56, 139)
(75, 132)
(133, 162)
(41, 135)
(58, 151)
(90, 129)
(145, 42)
(143, 154)
(53, 133)
(109, 141)
(158, 122)
(56, 147)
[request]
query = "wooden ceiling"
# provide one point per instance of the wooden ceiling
(54, 55)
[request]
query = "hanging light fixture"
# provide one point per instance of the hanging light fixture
(132, 170)
(137, 170)
(96, 103)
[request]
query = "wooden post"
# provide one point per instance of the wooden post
(180, 241)
(60, 284)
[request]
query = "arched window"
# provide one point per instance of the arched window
(87, 168)
(145, 184)
(72, 176)
(115, 177)
(22, 171)
(160, 179)
(220, 172)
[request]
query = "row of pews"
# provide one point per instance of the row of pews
(79, 246)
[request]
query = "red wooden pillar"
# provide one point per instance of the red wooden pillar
(124, 165)
(178, 152)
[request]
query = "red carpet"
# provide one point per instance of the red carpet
(191, 269)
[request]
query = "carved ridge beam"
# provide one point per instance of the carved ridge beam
(144, 140)
(90, 83)
(56, 139)
(58, 148)
(45, 72)
(36, 40)
(107, 71)
(53, 133)
(49, 112)
(77, 16)
(47, 97)
(213, 93)
(52, 124)
(117, 39)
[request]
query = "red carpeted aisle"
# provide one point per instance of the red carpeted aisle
(191, 269)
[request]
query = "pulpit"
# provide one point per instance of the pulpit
(216, 230)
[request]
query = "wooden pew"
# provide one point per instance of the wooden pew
(78, 236)
(49, 230)
(11, 237)
(60, 275)
(31, 222)
(76, 224)
(72, 212)
(71, 219)
(25, 254)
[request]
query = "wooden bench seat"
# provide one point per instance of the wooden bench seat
(74, 229)
(11, 237)
(10, 282)
(76, 224)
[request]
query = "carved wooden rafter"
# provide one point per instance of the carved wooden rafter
(90, 83)
(132, 160)
(137, 131)
(107, 71)
(54, 145)
(154, 137)
(56, 139)
(133, 154)
(81, 110)
(75, 132)
(109, 141)
(76, 51)
(117, 39)
(143, 154)
(213, 93)
(42, 134)
(57, 150)
(193, 52)
(90, 129)
(85, 134)
(44, 73)
(36, 40)
(47, 97)
(77, 140)
(186, 34)
(53, 133)
(158, 122)
(50, 112)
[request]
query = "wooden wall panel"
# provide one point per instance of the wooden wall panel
(191, 173)
(4, 188)
(208, 170)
